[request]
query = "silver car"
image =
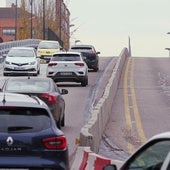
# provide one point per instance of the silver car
(20, 61)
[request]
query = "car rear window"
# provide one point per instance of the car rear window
(23, 119)
(28, 85)
(48, 45)
(85, 49)
(66, 57)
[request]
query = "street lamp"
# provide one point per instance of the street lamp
(44, 19)
(31, 19)
(16, 16)
(168, 50)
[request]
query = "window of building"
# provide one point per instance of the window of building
(8, 32)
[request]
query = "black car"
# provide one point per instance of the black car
(29, 137)
(90, 55)
(42, 87)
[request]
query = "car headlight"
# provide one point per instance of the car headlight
(7, 62)
(32, 63)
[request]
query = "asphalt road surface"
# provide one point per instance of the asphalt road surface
(141, 108)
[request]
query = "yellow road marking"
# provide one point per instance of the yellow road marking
(139, 127)
(135, 107)
(126, 104)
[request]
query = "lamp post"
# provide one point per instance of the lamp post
(16, 16)
(31, 19)
(44, 19)
(168, 50)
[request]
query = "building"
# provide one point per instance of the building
(55, 27)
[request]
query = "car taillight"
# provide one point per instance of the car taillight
(79, 64)
(52, 64)
(57, 143)
(49, 98)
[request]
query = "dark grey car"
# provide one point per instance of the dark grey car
(90, 55)
(42, 87)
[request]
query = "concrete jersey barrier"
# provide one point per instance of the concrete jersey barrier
(91, 132)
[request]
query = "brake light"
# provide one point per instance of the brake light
(79, 64)
(52, 64)
(57, 143)
(49, 98)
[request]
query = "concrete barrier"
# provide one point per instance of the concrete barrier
(91, 133)
(87, 160)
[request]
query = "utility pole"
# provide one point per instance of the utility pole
(44, 19)
(16, 17)
(31, 20)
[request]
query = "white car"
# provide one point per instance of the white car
(20, 61)
(68, 67)
(152, 155)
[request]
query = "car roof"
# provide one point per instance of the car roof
(163, 135)
(53, 41)
(67, 52)
(91, 46)
(29, 77)
(14, 99)
(23, 48)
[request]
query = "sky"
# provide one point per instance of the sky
(108, 25)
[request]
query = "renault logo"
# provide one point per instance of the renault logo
(9, 141)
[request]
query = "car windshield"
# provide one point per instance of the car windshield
(152, 157)
(28, 85)
(21, 53)
(23, 119)
(48, 45)
(66, 57)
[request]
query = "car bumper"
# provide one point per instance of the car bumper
(16, 70)
(27, 162)
(67, 77)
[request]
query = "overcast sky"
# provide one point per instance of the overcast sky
(108, 24)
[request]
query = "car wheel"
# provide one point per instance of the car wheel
(84, 82)
(59, 124)
(96, 69)
(63, 121)
(5, 74)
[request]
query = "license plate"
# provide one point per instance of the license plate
(66, 73)
(18, 68)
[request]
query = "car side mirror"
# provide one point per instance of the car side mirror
(110, 167)
(98, 52)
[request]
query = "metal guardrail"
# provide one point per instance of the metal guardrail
(5, 47)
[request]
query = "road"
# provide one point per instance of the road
(141, 108)
(80, 99)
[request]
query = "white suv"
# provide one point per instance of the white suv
(68, 67)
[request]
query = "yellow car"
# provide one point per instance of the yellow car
(47, 48)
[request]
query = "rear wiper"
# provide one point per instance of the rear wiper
(17, 128)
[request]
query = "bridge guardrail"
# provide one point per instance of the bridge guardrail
(5, 46)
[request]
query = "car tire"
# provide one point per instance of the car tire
(84, 82)
(96, 69)
(5, 74)
(63, 121)
(59, 124)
